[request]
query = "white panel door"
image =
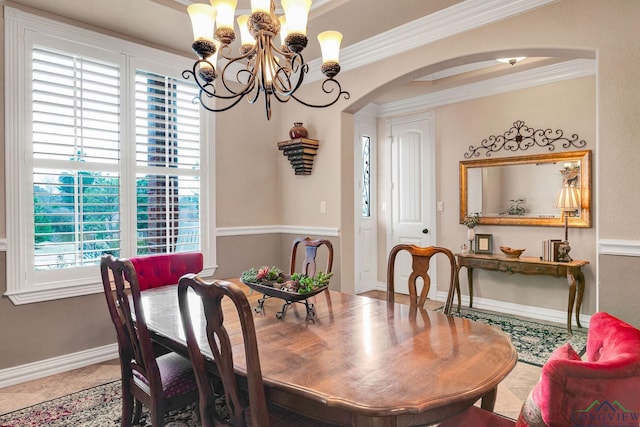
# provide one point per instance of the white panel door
(412, 190)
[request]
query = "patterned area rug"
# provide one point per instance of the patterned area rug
(96, 407)
(534, 341)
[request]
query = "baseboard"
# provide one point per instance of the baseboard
(56, 365)
(537, 313)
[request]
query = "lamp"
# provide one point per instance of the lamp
(261, 67)
(568, 200)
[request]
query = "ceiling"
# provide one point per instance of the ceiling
(364, 24)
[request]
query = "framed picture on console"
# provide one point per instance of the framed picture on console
(484, 244)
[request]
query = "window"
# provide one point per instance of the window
(366, 176)
(105, 157)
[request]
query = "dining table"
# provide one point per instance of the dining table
(359, 361)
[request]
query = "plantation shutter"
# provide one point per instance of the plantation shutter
(76, 151)
(167, 164)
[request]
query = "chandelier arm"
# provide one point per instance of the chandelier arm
(233, 93)
(204, 105)
(232, 60)
(339, 93)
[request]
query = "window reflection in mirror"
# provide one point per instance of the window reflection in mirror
(522, 190)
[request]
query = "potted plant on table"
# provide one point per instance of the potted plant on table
(471, 221)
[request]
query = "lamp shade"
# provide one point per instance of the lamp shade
(245, 35)
(297, 13)
(330, 46)
(260, 6)
(568, 199)
(283, 29)
(203, 20)
(225, 10)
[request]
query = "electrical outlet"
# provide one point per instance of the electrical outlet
(440, 206)
(323, 207)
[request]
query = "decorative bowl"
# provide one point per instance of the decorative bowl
(510, 252)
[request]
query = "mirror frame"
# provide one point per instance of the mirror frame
(583, 221)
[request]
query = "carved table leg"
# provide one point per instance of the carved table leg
(580, 282)
(470, 281)
(572, 296)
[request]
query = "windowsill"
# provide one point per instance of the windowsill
(42, 293)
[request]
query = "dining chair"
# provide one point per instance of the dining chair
(605, 386)
(224, 399)
(311, 250)
(421, 262)
(161, 382)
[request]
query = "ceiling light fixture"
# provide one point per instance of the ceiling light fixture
(511, 61)
(261, 67)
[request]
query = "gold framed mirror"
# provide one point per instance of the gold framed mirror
(522, 190)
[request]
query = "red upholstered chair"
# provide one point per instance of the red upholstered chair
(245, 402)
(165, 269)
(572, 391)
(162, 381)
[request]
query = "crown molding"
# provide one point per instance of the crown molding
(455, 19)
(523, 80)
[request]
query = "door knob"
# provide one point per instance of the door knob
(425, 231)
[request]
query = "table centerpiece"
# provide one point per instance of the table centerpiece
(272, 282)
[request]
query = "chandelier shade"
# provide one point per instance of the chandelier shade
(269, 62)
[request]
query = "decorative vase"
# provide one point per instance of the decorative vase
(298, 131)
(470, 235)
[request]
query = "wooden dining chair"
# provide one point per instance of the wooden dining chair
(239, 407)
(311, 250)
(421, 261)
(162, 382)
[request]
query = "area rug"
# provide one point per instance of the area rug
(95, 407)
(535, 341)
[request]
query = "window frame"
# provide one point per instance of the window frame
(22, 31)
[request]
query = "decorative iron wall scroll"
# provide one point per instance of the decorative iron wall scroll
(522, 137)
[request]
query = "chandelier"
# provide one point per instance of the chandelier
(261, 67)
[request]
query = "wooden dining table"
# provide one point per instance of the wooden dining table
(359, 361)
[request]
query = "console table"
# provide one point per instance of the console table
(533, 266)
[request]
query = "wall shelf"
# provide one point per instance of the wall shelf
(301, 153)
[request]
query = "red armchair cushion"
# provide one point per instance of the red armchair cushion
(165, 269)
(609, 372)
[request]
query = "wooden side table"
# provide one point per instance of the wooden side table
(532, 266)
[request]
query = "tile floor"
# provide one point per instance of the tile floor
(511, 392)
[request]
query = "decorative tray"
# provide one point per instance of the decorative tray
(279, 293)
(272, 282)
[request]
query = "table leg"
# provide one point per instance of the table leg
(572, 296)
(470, 281)
(580, 282)
(489, 400)
(458, 287)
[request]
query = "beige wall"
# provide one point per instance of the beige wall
(582, 28)
(568, 106)
(607, 28)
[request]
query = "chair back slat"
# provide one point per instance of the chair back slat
(311, 246)
(421, 262)
(212, 295)
(134, 333)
